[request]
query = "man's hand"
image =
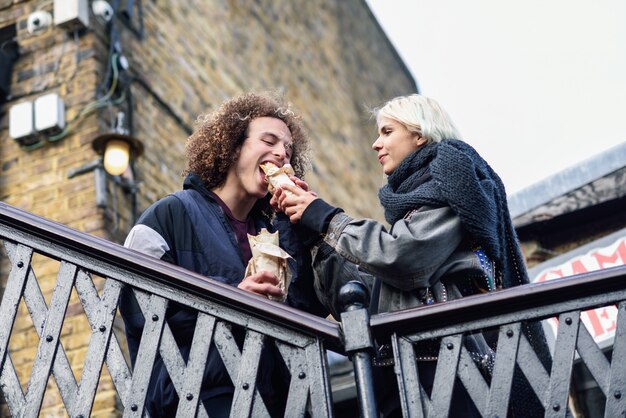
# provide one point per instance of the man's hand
(263, 283)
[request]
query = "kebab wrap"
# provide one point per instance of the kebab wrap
(268, 256)
(276, 176)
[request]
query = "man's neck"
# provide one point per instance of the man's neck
(237, 201)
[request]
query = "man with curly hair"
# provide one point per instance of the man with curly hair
(204, 228)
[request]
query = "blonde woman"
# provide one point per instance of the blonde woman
(451, 236)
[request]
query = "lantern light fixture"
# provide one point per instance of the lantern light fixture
(117, 148)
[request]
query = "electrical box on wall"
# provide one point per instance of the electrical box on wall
(49, 114)
(71, 14)
(31, 122)
(21, 127)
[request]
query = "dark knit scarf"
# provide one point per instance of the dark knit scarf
(451, 173)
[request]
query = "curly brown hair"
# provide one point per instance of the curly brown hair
(213, 147)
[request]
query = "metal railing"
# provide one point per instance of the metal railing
(300, 338)
(505, 313)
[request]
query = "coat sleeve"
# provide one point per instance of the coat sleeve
(405, 257)
(154, 232)
(301, 293)
(331, 272)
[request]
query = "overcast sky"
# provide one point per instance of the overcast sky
(535, 86)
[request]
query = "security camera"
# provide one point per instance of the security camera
(38, 21)
(102, 10)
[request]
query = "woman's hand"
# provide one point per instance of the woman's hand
(263, 283)
(295, 202)
(275, 200)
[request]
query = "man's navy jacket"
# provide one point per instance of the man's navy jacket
(190, 229)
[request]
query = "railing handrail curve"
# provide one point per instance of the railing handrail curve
(165, 273)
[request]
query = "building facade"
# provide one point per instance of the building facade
(148, 69)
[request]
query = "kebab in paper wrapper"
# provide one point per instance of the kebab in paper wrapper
(268, 256)
(276, 176)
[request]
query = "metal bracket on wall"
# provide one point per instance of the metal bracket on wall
(127, 185)
(100, 178)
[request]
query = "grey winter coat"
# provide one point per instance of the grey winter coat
(426, 248)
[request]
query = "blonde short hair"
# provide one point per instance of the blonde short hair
(421, 115)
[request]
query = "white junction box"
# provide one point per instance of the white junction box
(71, 14)
(21, 121)
(49, 114)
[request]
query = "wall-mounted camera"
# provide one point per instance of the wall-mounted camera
(102, 10)
(38, 22)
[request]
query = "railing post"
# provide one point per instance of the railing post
(355, 321)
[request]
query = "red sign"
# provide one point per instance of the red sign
(600, 322)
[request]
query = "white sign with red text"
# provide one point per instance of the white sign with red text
(600, 322)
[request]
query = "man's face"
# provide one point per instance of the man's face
(269, 139)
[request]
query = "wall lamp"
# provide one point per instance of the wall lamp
(117, 150)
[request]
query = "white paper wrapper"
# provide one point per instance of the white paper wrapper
(268, 256)
(276, 176)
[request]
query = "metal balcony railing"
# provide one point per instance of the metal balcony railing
(90, 272)
(300, 338)
(505, 312)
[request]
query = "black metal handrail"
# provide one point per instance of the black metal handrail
(531, 298)
(514, 370)
(164, 273)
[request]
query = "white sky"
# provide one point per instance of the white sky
(535, 86)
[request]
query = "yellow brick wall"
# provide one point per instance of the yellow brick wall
(330, 58)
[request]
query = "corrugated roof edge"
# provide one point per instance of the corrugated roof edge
(567, 180)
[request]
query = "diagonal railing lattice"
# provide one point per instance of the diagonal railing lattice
(505, 314)
(300, 338)
(93, 272)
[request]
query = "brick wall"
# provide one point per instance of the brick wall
(330, 58)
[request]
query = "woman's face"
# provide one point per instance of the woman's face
(394, 143)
